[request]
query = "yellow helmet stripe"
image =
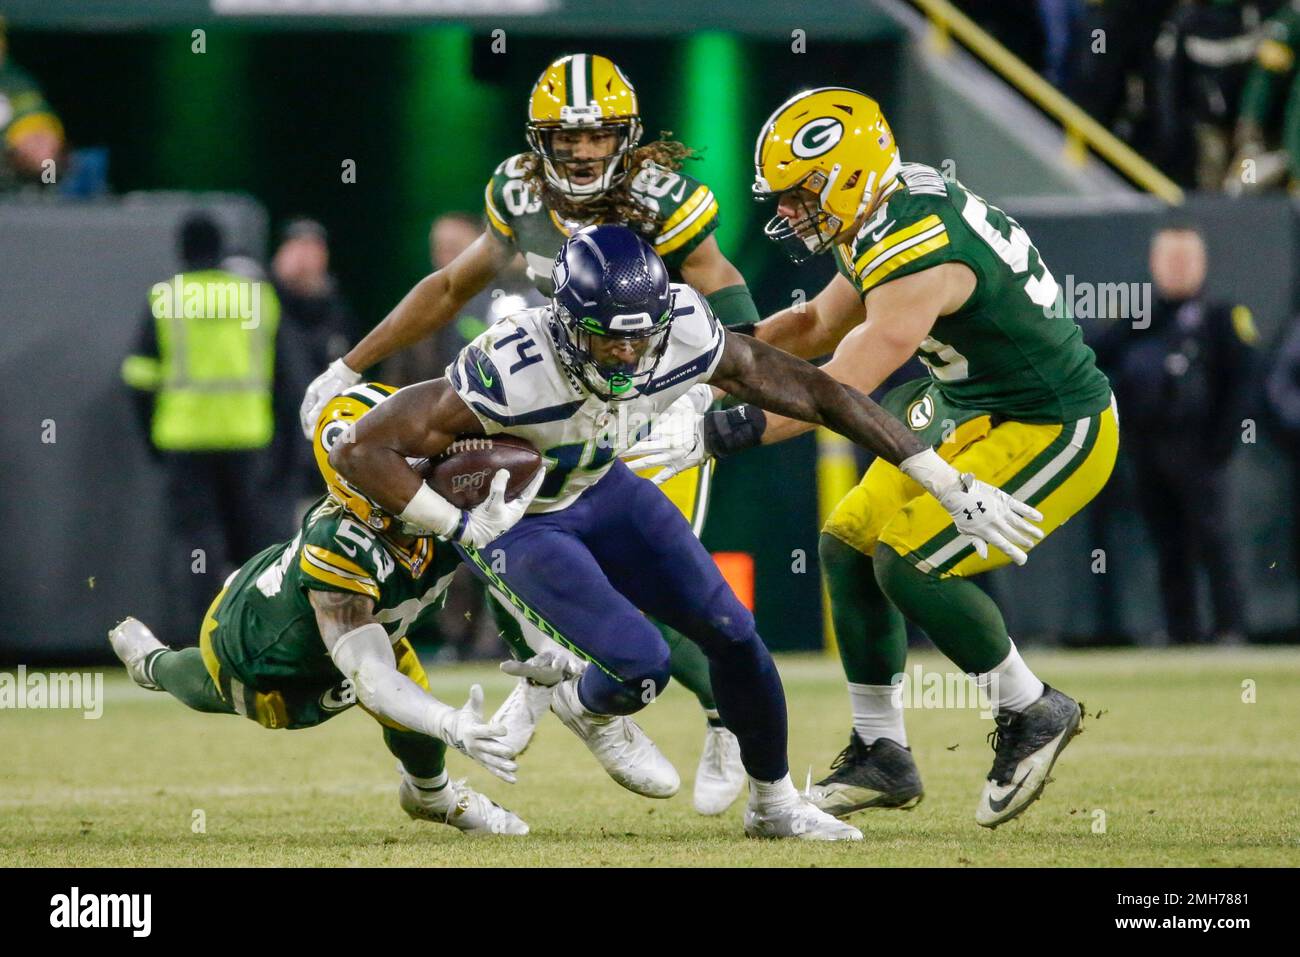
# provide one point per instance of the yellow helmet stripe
(902, 259)
(871, 258)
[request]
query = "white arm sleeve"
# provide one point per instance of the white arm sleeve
(366, 656)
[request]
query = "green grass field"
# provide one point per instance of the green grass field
(1183, 770)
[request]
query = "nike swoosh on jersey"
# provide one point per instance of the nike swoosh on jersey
(880, 234)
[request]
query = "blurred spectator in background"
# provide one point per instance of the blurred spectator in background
(1203, 54)
(449, 236)
(1282, 399)
(315, 325)
(1268, 125)
(203, 372)
(467, 626)
(1112, 52)
(1181, 383)
(30, 132)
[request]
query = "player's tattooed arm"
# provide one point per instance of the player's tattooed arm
(779, 382)
(433, 302)
(362, 651)
(338, 613)
(419, 421)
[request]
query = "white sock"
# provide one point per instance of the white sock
(1011, 686)
(877, 712)
(771, 793)
(428, 784)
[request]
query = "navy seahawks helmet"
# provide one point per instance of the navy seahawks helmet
(610, 284)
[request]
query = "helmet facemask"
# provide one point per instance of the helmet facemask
(611, 380)
(814, 230)
(559, 165)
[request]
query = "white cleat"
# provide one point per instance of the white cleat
(625, 751)
(720, 777)
(460, 806)
(798, 819)
(133, 642)
(519, 714)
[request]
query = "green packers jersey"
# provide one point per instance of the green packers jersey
(266, 631)
(1012, 349)
(685, 208)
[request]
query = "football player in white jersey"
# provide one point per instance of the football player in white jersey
(582, 380)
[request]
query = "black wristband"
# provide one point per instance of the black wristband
(728, 431)
(744, 328)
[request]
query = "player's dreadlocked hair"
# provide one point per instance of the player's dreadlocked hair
(616, 205)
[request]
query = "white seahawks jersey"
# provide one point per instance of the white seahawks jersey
(512, 378)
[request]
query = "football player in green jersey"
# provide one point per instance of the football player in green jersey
(586, 165)
(306, 629)
(1013, 397)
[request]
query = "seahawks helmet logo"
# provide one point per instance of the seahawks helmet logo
(817, 137)
(559, 275)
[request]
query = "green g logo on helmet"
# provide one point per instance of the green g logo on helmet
(817, 137)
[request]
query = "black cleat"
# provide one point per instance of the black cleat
(1026, 745)
(864, 776)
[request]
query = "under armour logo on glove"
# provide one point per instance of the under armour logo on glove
(970, 513)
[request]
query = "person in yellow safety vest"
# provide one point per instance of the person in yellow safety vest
(203, 371)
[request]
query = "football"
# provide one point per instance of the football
(463, 474)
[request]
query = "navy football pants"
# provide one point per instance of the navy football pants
(590, 570)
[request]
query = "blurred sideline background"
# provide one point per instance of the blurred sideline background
(257, 128)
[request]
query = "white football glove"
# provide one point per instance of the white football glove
(676, 441)
(465, 730)
(548, 668)
(984, 512)
(494, 516)
(323, 388)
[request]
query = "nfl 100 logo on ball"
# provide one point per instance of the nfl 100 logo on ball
(467, 481)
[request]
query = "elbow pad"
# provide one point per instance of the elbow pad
(365, 655)
(367, 643)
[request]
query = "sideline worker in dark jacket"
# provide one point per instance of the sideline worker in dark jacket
(1181, 383)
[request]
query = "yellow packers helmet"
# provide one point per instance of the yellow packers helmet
(583, 91)
(336, 421)
(834, 144)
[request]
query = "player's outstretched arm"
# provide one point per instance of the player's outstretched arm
(417, 422)
(779, 382)
(814, 328)
(431, 304)
(360, 648)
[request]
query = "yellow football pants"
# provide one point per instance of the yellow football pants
(1056, 468)
(689, 491)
